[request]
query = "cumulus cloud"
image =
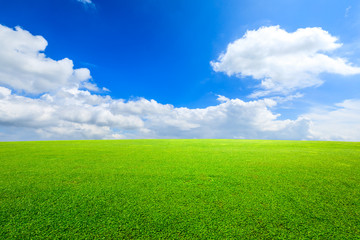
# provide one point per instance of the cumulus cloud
(70, 113)
(339, 122)
(233, 118)
(283, 61)
(79, 114)
(25, 68)
(64, 110)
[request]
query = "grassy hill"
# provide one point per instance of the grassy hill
(180, 189)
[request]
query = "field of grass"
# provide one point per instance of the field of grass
(180, 189)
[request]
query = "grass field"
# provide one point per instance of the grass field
(180, 189)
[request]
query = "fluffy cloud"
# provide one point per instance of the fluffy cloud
(25, 68)
(233, 118)
(340, 122)
(63, 111)
(284, 62)
(72, 113)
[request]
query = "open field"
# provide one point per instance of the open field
(180, 189)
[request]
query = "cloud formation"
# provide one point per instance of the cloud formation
(339, 122)
(25, 68)
(65, 107)
(74, 114)
(284, 62)
(87, 2)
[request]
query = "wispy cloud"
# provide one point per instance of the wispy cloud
(347, 10)
(338, 122)
(87, 2)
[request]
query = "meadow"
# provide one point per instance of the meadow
(179, 189)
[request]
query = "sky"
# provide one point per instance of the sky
(125, 69)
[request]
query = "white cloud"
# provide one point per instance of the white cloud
(284, 62)
(4, 92)
(24, 67)
(64, 111)
(340, 122)
(77, 114)
(87, 2)
(222, 98)
(67, 114)
(233, 118)
(347, 11)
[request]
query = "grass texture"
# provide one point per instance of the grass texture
(179, 189)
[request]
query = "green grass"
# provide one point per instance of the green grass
(180, 189)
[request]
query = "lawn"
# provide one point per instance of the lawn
(180, 189)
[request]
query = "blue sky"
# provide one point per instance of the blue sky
(161, 62)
